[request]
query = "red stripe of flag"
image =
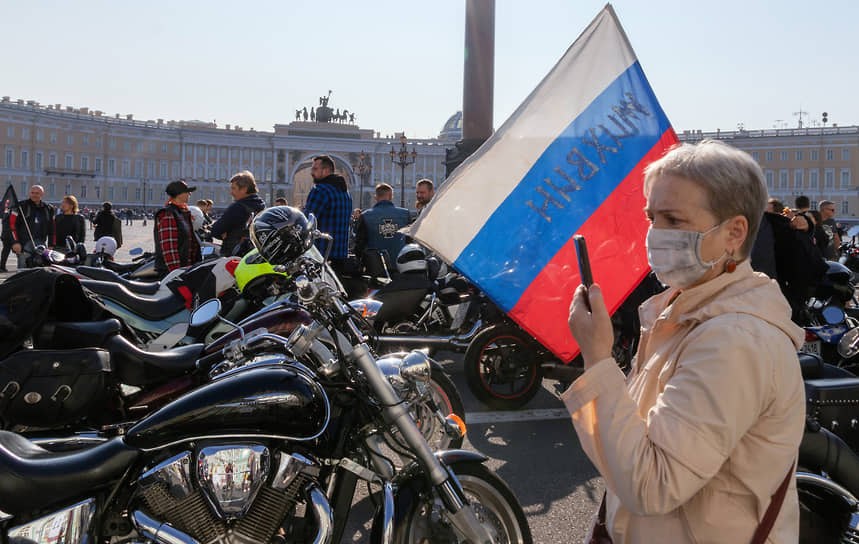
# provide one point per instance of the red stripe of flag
(615, 235)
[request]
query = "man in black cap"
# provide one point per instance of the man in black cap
(175, 243)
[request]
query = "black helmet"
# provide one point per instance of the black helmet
(282, 233)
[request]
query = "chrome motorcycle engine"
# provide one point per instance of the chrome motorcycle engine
(226, 493)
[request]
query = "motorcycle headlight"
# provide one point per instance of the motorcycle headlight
(416, 367)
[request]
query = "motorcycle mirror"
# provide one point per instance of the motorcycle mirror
(205, 313)
(136, 251)
(833, 315)
(848, 346)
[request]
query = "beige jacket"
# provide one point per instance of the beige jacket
(710, 419)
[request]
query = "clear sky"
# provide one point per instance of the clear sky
(398, 65)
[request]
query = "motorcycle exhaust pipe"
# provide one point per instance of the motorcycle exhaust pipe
(160, 532)
(322, 512)
(459, 341)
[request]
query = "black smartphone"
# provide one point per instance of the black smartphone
(584, 261)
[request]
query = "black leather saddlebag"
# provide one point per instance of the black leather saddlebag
(52, 387)
(834, 404)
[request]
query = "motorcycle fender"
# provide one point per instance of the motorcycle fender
(410, 484)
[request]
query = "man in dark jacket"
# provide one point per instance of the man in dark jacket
(331, 203)
(232, 227)
(108, 224)
(31, 223)
(175, 243)
(378, 228)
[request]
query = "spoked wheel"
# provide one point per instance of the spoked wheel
(439, 395)
(502, 367)
(445, 397)
(493, 503)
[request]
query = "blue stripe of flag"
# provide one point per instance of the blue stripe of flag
(516, 243)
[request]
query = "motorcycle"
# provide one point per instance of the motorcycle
(269, 452)
(827, 317)
(827, 474)
(505, 366)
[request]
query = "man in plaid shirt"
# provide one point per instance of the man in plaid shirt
(176, 245)
(331, 203)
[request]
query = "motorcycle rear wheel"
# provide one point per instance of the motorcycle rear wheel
(502, 368)
(492, 500)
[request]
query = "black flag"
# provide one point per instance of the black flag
(10, 200)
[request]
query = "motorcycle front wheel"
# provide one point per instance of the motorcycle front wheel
(494, 504)
(502, 368)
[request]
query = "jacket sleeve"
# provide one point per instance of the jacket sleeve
(80, 228)
(226, 222)
(316, 202)
(360, 236)
(715, 395)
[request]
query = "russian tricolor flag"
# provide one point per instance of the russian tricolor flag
(569, 160)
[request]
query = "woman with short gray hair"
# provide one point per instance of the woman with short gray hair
(700, 441)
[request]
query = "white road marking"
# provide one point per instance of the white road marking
(477, 418)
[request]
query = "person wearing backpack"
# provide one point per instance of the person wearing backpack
(232, 227)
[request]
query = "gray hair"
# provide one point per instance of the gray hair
(823, 203)
(732, 180)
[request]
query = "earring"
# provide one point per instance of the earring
(730, 264)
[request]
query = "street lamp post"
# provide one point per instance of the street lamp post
(363, 170)
(403, 158)
(144, 201)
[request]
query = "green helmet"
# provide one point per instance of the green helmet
(254, 270)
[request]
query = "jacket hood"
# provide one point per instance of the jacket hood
(254, 202)
(744, 291)
(336, 180)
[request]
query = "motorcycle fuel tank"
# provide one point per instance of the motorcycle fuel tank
(265, 402)
(280, 321)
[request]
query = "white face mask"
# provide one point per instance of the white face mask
(675, 255)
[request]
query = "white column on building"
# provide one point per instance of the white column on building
(424, 169)
(218, 161)
(434, 172)
(206, 167)
(194, 166)
(229, 162)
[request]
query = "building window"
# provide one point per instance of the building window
(111, 167)
(783, 179)
(783, 155)
(70, 161)
(829, 178)
(799, 155)
(830, 154)
(770, 175)
(150, 168)
(25, 160)
(845, 207)
(53, 189)
(212, 171)
(813, 176)
(52, 160)
(126, 168)
(52, 137)
(164, 148)
(10, 132)
(162, 170)
(40, 135)
(10, 157)
(39, 160)
(769, 156)
(845, 178)
(84, 162)
(177, 150)
(111, 143)
(152, 147)
(845, 154)
(755, 155)
(138, 168)
(798, 178)
(124, 193)
(110, 193)
(140, 147)
(25, 133)
(70, 139)
(137, 194)
(98, 165)
(99, 142)
(815, 155)
(175, 170)
(126, 146)
(83, 191)
(85, 140)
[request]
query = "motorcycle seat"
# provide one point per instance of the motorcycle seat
(33, 478)
(811, 366)
(134, 366)
(75, 334)
(103, 274)
(148, 307)
(120, 268)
